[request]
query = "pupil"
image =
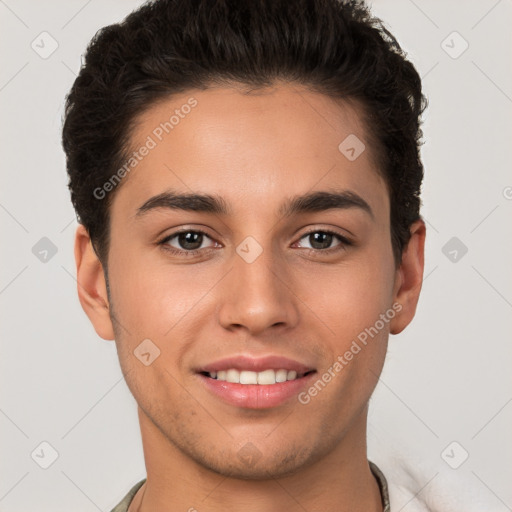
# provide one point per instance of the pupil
(324, 239)
(190, 240)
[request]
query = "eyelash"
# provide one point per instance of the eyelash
(194, 252)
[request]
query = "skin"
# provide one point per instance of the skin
(294, 300)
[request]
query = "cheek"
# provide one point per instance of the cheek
(150, 298)
(356, 307)
(351, 298)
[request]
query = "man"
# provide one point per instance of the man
(247, 179)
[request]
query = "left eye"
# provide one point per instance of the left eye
(323, 239)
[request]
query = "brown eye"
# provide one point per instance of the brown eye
(190, 240)
(321, 240)
(186, 241)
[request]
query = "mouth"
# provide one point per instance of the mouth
(255, 383)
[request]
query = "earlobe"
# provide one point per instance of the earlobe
(409, 278)
(91, 285)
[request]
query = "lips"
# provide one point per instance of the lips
(255, 383)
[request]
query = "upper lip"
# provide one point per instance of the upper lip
(256, 364)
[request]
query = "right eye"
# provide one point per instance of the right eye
(186, 242)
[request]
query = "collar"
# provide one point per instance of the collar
(383, 486)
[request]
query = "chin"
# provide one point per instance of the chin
(249, 463)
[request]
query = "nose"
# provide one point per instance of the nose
(257, 295)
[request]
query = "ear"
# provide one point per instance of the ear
(409, 278)
(91, 285)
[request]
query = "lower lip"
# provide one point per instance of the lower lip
(256, 396)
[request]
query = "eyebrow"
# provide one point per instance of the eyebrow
(214, 204)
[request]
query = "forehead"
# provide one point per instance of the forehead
(252, 148)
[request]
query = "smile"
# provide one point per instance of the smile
(249, 382)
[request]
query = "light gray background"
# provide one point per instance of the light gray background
(447, 377)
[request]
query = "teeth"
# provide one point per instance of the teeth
(265, 377)
(247, 377)
(281, 375)
(233, 375)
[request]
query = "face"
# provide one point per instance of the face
(241, 283)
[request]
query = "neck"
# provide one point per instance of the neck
(339, 481)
